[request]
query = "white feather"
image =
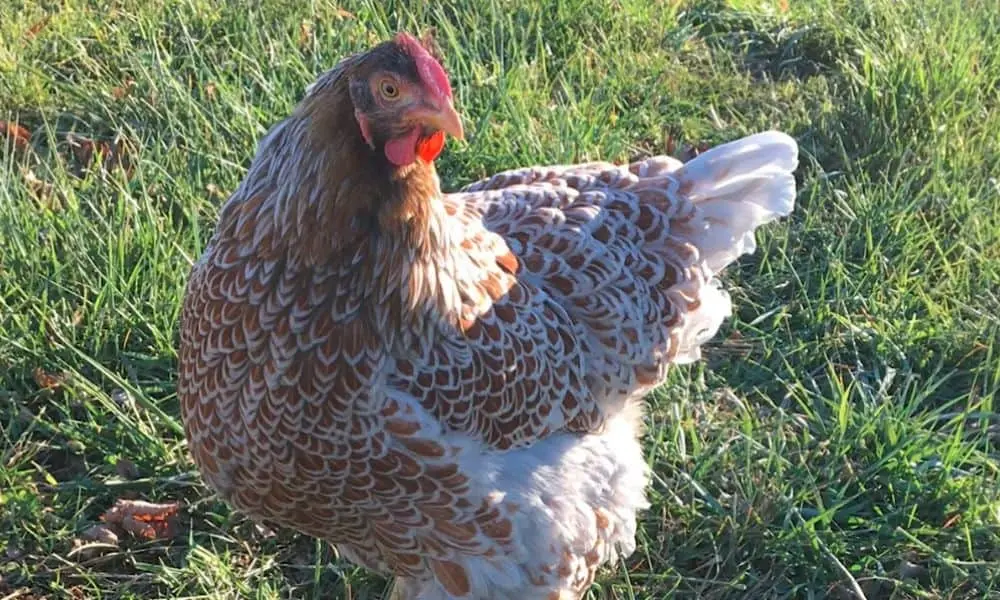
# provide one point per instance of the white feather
(737, 187)
(557, 483)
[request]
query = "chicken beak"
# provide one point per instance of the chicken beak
(451, 122)
(442, 116)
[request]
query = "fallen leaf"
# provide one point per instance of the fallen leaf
(18, 135)
(48, 381)
(344, 14)
(215, 192)
(100, 533)
(305, 34)
(123, 90)
(145, 520)
(95, 541)
(78, 593)
(37, 27)
(41, 190)
(210, 90)
(84, 148)
(112, 156)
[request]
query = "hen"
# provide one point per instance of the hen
(448, 387)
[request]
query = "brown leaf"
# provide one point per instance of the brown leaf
(84, 148)
(17, 135)
(100, 533)
(94, 542)
(211, 91)
(305, 34)
(37, 27)
(43, 191)
(145, 520)
(123, 90)
(78, 593)
(344, 14)
(112, 156)
(48, 381)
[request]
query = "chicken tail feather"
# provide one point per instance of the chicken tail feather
(737, 187)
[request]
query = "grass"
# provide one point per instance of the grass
(842, 437)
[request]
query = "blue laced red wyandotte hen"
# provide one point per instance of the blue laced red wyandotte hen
(448, 387)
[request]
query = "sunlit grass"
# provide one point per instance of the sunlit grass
(842, 434)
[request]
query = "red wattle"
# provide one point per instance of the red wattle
(430, 147)
(400, 151)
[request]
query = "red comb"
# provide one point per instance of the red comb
(430, 70)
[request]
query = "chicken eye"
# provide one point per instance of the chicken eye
(388, 89)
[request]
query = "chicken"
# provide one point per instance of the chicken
(448, 387)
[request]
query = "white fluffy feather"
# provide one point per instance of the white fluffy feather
(737, 187)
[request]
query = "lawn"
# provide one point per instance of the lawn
(840, 440)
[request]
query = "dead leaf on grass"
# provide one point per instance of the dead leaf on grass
(215, 193)
(102, 533)
(17, 135)
(305, 34)
(123, 90)
(42, 191)
(48, 381)
(116, 154)
(94, 542)
(146, 520)
(37, 27)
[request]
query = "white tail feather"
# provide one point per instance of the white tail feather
(737, 187)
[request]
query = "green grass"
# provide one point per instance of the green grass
(842, 434)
